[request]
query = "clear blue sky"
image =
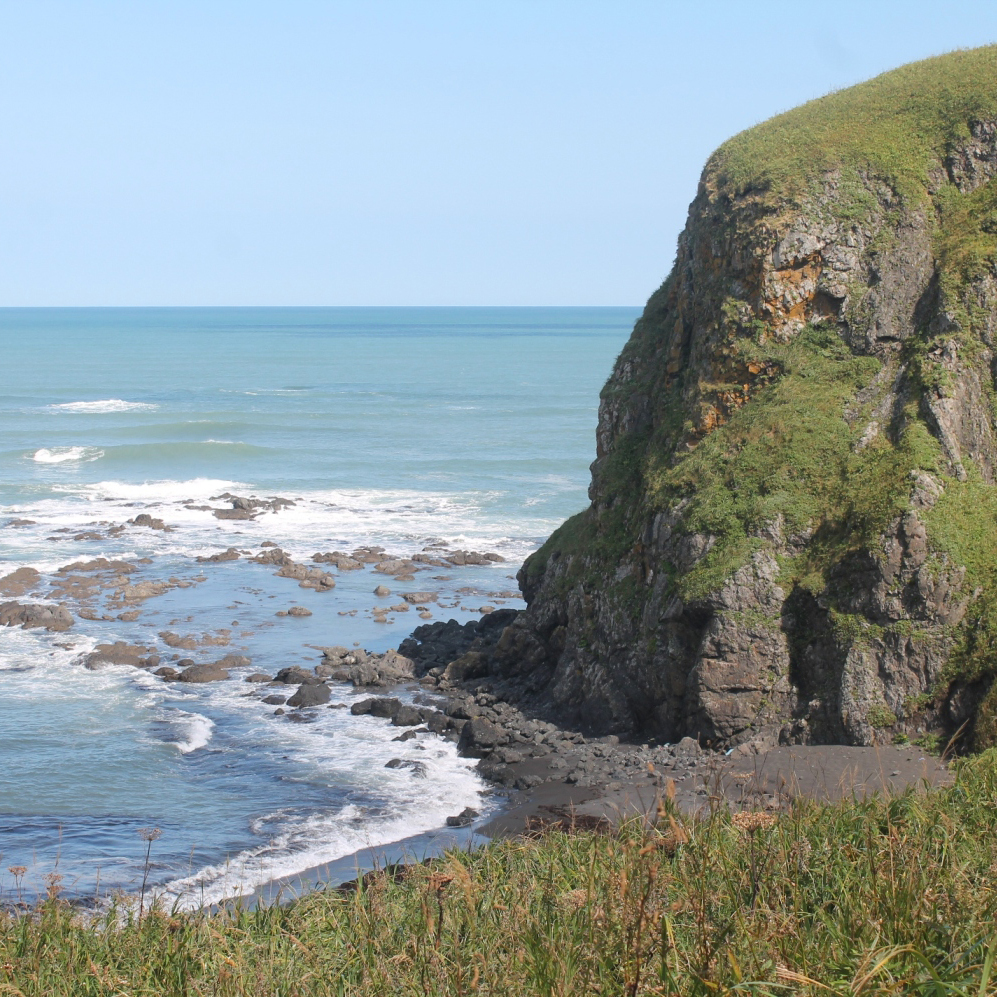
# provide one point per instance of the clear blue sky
(186, 152)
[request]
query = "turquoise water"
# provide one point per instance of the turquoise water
(393, 427)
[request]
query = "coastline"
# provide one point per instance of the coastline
(438, 685)
(553, 776)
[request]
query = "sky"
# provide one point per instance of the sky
(396, 152)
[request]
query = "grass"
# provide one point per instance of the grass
(895, 126)
(882, 896)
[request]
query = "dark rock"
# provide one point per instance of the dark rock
(28, 615)
(296, 676)
(299, 611)
(234, 661)
(405, 736)
(310, 695)
(208, 672)
(232, 514)
(419, 770)
(169, 674)
(406, 716)
(144, 519)
(19, 582)
(465, 817)
(479, 736)
(226, 555)
(259, 677)
(377, 706)
(120, 653)
(275, 700)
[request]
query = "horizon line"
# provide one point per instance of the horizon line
(67, 307)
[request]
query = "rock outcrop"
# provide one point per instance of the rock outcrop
(793, 523)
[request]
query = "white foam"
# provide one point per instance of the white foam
(299, 843)
(197, 729)
(154, 492)
(103, 405)
(60, 455)
(400, 520)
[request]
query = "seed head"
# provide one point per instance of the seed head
(750, 821)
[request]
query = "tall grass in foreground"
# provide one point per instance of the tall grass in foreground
(876, 897)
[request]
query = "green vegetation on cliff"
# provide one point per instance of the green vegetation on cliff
(880, 896)
(896, 126)
(814, 375)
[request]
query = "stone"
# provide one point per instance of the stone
(120, 653)
(207, 672)
(382, 591)
(310, 695)
(419, 769)
(231, 554)
(144, 519)
(479, 736)
(465, 817)
(29, 615)
(299, 611)
(19, 582)
(377, 706)
(406, 716)
(259, 677)
(420, 598)
(296, 676)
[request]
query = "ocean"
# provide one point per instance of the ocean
(401, 428)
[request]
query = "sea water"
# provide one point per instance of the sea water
(395, 427)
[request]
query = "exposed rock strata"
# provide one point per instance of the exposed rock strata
(793, 509)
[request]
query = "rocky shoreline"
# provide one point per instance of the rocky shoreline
(477, 684)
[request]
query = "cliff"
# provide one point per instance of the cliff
(793, 523)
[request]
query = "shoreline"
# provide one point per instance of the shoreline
(548, 772)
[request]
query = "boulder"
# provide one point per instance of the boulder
(296, 676)
(226, 555)
(377, 706)
(144, 519)
(479, 737)
(465, 817)
(234, 661)
(419, 770)
(19, 582)
(28, 615)
(207, 672)
(419, 598)
(120, 653)
(471, 664)
(299, 611)
(310, 695)
(232, 514)
(407, 716)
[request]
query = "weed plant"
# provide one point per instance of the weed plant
(880, 896)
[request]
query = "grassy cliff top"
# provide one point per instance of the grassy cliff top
(895, 126)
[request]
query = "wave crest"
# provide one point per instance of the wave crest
(103, 405)
(60, 455)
